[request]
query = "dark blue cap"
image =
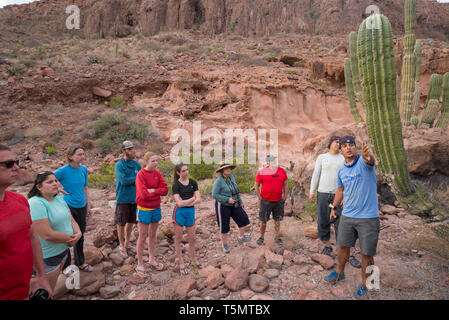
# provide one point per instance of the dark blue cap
(347, 139)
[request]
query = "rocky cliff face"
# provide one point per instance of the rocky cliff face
(244, 17)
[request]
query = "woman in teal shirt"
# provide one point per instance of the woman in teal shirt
(53, 223)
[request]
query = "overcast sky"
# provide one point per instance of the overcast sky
(6, 2)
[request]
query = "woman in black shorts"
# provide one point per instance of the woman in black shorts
(229, 205)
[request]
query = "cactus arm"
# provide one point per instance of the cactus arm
(350, 92)
(406, 106)
(443, 121)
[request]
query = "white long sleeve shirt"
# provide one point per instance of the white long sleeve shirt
(325, 172)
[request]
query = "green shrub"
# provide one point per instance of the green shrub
(245, 174)
(60, 132)
(116, 103)
(206, 188)
(105, 179)
(114, 129)
(93, 59)
(232, 26)
(297, 64)
(50, 150)
(310, 208)
(16, 69)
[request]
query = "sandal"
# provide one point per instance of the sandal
(158, 266)
(140, 270)
(131, 250)
(123, 252)
(86, 267)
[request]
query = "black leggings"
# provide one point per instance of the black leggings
(79, 215)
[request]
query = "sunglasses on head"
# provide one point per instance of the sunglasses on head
(10, 163)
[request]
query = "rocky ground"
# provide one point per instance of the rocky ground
(413, 262)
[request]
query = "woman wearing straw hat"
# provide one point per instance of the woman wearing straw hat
(229, 205)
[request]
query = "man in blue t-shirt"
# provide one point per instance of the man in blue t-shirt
(357, 184)
(125, 211)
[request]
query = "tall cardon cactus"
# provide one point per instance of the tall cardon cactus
(378, 73)
(406, 106)
(355, 66)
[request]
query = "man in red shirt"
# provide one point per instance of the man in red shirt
(19, 246)
(272, 197)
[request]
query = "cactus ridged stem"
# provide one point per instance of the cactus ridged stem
(433, 100)
(378, 73)
(417, 96)
(355, 66)
(350, 92)
(406, 106)
(443, 121)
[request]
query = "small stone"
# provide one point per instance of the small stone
(324, 260)
(258, 283)
(108, 292)
(101, 92)
(311, 232)
(214, 279)
(271, 273)
(193, 293)
(246, 294)
(126, 270)
(116, 259)
(28, 85)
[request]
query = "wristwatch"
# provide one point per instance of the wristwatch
(331, 206)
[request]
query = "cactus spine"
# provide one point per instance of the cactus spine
(350, 91)
(417, 97)
(355, 66)
(378, 72)
(443, 121)
(433, 100)
(408, 64)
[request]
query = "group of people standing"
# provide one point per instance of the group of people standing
(36, 234)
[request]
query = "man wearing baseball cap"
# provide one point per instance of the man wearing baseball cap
(272, 197)
(126, 171)
(357, 184)
(325, 178)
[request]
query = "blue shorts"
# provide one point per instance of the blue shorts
(184, 216)
(149, 216)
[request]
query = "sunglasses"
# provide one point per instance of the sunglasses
(10, 163)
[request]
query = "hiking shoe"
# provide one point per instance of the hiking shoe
(225, 248)
(334, 277)
(361, 292)
(327, 250)
(278, 240)
(260, 241)
(354, 262)
(244, 239)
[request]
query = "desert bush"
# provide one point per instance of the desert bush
(50, 150)
(116, 103)
(16, 69)
(93, 59)
(105, 179)
(113, 129)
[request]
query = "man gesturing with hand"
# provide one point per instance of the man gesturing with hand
(357, 184)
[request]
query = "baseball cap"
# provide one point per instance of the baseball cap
(127, 144)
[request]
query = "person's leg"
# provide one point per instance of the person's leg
(323, 218)
(178, 238)
(121, 237)
(240, 217)
(278, 216)
(152, 242)
(342, 258)
(263, 218)
(79, 215)
(128, 231)
(223, 219)
(143, 234)
(192, 243)
(366, 261)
